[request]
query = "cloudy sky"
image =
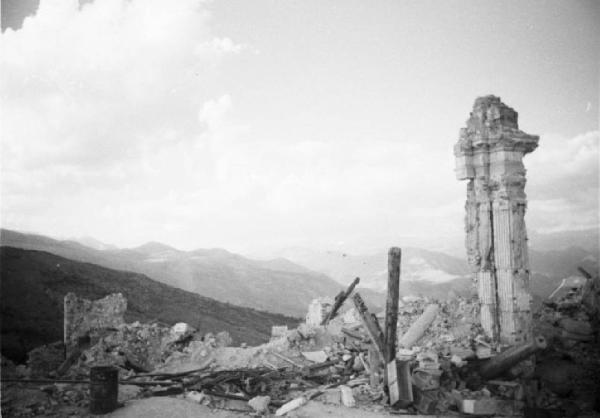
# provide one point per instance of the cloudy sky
(259, 125)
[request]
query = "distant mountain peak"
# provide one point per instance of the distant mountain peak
(154, 247)
(94, 243)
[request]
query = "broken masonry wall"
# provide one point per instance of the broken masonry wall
(82, 316)
(318, 310)
(489, 154)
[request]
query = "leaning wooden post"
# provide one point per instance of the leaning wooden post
(339, 301)
(391, 307)
(397, 373)
(370, 323)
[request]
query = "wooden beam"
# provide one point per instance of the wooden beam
(399, 383)
(370, 323)
(391, 307)
(339, 301)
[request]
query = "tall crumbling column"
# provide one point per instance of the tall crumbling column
(489, 154)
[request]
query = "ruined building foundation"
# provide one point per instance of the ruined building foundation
(489, 155)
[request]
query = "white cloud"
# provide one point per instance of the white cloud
(93, 86)
(112, 128)
(97, 102)
(563, 182)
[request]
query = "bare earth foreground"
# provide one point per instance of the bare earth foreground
(178, 408)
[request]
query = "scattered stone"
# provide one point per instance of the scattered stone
(128, 392)
(358, 364)
(483, 352)
(426, 379)
(488, 407)
(291, 405)
(332, 396)
(315, 356)
(457, 361)
(223, 339)
(347, 396)
(260, 404)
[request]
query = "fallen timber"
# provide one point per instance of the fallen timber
(501, 363)
(339, 301)
(370, 323)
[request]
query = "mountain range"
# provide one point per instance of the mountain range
(34, 284)
(214, 289)
(287, 282)
(437, 275)
(276, 285)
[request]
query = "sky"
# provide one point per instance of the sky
(254, 126)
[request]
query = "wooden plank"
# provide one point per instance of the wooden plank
(391, 307)
(374, 367)
(405, 381)
(370, 323)
(399, 383)
(392, 382)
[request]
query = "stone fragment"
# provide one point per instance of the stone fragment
(428, 360)
(223, 339)
(278, 331)
(347, 396)
(488, 406)
(358, 365)
(332, 396)
(483, 352)
(178, 333)
(457, 361)
(195, 396)
(463, 353)
(128, 392)
(315, 356)
(426, 379)
(489, 155)
(307, 331)
(291, 405)
(260, 404)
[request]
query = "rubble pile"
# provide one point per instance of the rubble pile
(332, 359)
(569, 371)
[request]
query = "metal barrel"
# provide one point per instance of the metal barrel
(104, 389)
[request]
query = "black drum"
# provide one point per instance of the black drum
(104, 389)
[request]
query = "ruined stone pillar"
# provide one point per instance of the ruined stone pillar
(489, 154)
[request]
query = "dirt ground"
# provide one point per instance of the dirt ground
(159, 407)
